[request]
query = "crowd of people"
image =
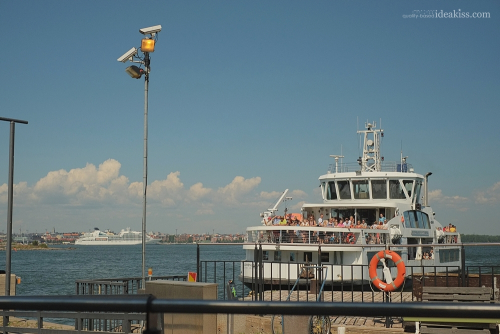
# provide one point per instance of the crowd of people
(322, 236)
(349, 222)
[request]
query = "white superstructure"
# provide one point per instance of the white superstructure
(125, 237)
(366, 191)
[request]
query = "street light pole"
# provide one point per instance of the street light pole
(145, 169)
(147, 46)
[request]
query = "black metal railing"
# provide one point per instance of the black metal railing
(118, 286)
(151, 307)
(252, 278)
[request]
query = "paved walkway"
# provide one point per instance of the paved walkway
(355, 324)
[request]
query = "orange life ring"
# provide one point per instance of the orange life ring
(372, 270)
(350, 238)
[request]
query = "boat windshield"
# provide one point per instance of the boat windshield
(379, 189)
(344, 189)
(395, 190)
(361, 189)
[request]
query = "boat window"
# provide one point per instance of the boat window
(342, 213)
(395, 190)
(344, 189)
(425, 220)
(277, 255)
(265, 255)
(361, 189)
(417, 217)
(331, 192)
(409, 219)
(338, 258)
(379, 189)
(369, 215)
(418, 187)
(408, 184)
(325, 257)
(308, 256)
(449, 255)
(292, 257)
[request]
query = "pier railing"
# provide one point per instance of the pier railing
(151, 309)
(118, 286)
(254, 279)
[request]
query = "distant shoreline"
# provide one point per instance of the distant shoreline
(18, 247)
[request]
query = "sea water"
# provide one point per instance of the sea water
(54, 272)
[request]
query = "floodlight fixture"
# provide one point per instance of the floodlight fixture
(148, 45)
(134, 71)
(128, 55)
(150, 30)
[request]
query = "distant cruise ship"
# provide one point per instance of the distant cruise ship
(125, 237)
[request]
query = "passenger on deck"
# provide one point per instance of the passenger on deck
(363, 224)
(320, 220)
(341, 223)
(330, 222)
(382, 219)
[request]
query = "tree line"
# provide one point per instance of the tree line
(479, 238)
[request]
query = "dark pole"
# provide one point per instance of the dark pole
(197, 261)
(8, 247)
(145, 169)
(10, 201)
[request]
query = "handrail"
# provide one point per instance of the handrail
(148, 304)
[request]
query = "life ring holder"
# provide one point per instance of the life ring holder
(350, 238)
(400, 265)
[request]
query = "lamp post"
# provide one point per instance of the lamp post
(147, 46)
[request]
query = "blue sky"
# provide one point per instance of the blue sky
(246, 99)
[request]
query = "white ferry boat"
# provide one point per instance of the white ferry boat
(125, 237)
(385, 205)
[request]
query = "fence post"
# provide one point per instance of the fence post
(462, 257)
(261, 273)
(255, 272)
(197, 261)
(386, 295)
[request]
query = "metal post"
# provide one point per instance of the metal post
(462, 258)
(386, 295)
(10, 201)
(256, 272)
(8, 249)
(261, 273)
(145, 168)
(197, 262)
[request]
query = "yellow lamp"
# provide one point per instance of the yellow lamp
(148, 45)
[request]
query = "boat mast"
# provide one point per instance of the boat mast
(371, 159)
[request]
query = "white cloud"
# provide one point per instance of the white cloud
(237, 188)
(488, 196)
(100, 196)
(457, 202)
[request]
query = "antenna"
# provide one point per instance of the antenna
(337, 161)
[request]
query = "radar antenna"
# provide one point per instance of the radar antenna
(371, 159)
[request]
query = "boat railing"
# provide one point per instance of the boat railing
(318, 235)
(389, 166)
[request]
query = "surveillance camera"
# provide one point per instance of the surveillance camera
(150, 30)
(128, 55)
